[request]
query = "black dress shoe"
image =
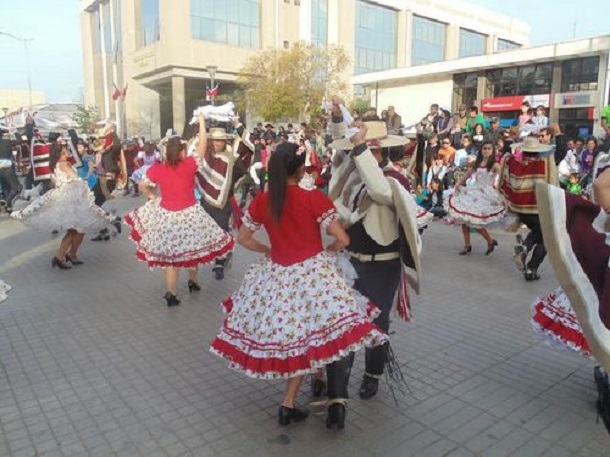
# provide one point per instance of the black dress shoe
(287, 415)
(369, 387)
(193, 286)
(466, 250)
(55, 262)
(531, 275)
(491, 246)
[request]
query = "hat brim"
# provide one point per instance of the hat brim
(536, 150)
(221, 138)
(344, 144)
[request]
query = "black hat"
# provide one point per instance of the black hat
(269, 126)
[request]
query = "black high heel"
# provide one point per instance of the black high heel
(193, 286)
(318, 386)
(72, 261)
(491, 247)
(336, 413)
(287, 415)
(171, 299)
(55, 262)
(466, 250)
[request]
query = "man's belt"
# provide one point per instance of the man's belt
(381, 257)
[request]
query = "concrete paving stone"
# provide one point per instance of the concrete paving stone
(489, 436)
(509, 444)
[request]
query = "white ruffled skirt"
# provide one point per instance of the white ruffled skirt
(69, 206)
(476, 206)
(286, 321)
(177, 239)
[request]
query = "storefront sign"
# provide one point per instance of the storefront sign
(575, 99)
(514, 102)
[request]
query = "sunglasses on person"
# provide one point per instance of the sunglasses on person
(446, 142)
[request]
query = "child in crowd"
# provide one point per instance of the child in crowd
(433, 198)
(540, 119)
(574, 187)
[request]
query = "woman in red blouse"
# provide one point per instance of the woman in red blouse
(293, 313)
(175, 232)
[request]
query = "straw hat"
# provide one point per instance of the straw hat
(217, 133)
(376, 136)
(532, 145)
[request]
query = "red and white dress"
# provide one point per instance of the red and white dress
(294, 313)
(478, 204)
(553, 316)
(175, 231)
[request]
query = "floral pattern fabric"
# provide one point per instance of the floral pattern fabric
(179, 239)
(4, 288)
(552, 315)
(70, 205)
(478, 204)
(286, 321)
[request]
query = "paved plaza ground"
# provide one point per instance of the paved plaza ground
(93, 363)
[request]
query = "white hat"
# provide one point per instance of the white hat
(377, 134)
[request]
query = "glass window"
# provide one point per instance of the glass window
(95, 28)
(464, 89)
(319, 22)
(429, 39)
(525, 80)
(232, 22)
(471, 43)
(506, 45)
(149, 22)
(580, 74)
(375, 37)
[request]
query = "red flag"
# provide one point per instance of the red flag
(212, 92)
(116, 93)
(124, 93)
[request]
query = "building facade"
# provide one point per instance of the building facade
(163, 53)
(13, 99)
(570, 79)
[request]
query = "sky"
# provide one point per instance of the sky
(55, 52)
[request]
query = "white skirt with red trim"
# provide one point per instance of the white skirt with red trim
(286, 321)
(552, 315)
(177, 239)
(476, 206)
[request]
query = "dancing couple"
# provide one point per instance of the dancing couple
(294, 312)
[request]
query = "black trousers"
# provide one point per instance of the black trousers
(378, 281)
(534, 241)
(221, 216)
(100, 199)
(10, 183)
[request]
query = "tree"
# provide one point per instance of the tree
(86, 117)
(291, 83)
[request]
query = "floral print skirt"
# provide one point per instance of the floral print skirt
(178, 239)
(286, 321)
(476, 206)
(553, 316)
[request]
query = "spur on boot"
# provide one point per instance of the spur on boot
(466, 250)
(287, 415)
(491, 246)
(369, 387)
(73, 261)
(193, 286)
(335, 414)
(171, 299)
(55, 262)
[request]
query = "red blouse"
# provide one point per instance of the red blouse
(296, 237)
(177, 184)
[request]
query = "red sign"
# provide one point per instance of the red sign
(513, 103)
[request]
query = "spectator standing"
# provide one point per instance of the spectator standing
(540, 118)
(393, 121)
(474, 119)
(494, 131)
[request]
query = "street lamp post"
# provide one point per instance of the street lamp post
(25, 42)
(212, 72)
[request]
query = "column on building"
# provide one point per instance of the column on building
(178, 104)
(452, 43)
(555, 89)
(401, 39)
(408, 38)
